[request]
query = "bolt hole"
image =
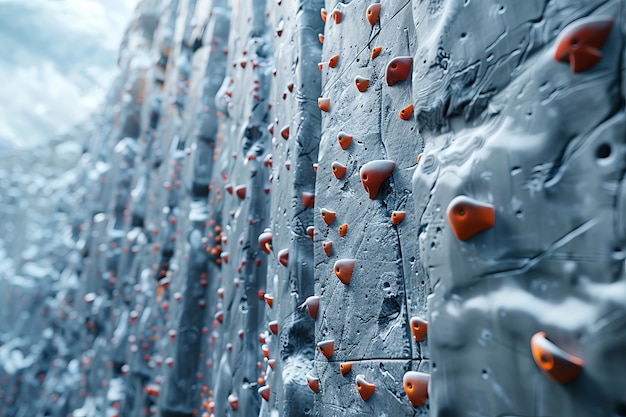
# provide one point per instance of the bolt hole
(463, 35)
(575, 43)
(603, 151)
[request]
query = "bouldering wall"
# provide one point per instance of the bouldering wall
(322, 208)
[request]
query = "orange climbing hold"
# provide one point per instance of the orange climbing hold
(364, 388)
(264, 392)
(339, 170)
(269, 300)
(328, 216)
(283, 257)
(373, 13)
(333, 61)
(344, 140)
(343, 229)
(313, 383)
(579, 43)
(416, 387)
(397, 217)
(559, 365)
(327, 246)
(376, 51)
(398, 69)
(419, 328)
(374, 173)
(323, 14)
(320, 37)
(361, 84)
(327, 347)
(343, 269)
(345, 367)
(407, 112)
(311, 232)
(312, 304)
(323, 104)
(469, 217)
(308, 199)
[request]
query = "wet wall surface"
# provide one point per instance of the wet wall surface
(309, 208)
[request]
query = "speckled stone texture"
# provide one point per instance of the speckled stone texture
(472, 155)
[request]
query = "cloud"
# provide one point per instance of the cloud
(57, 59)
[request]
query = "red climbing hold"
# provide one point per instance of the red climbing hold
(283, 257)
(407, 112)
(284, 132)
(265, 241)
(339, 170)
(323, 104)
(361, 84)
(312, 304)
(373, 13)
(273, 326)
(240, 190)
(344, 140)
(313, 383)
(374, 173)
(397, 217)
(398, 69)
(264, 392)
(345, 367)
(327, 347)
(308, 199)
(327, 246)
(333, 61)
(364, 388)
(328, 216)
(337, 16)
(419, 328)
(556, 363)
(579, 43)
(376, 51)
(233, 400)
(469, 217)
(311, 232)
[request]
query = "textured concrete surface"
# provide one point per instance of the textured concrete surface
(444, 177)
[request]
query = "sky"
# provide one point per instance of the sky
(57, 60)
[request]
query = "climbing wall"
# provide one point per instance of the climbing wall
(322, 208)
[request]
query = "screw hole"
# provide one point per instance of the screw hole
(603, 151)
